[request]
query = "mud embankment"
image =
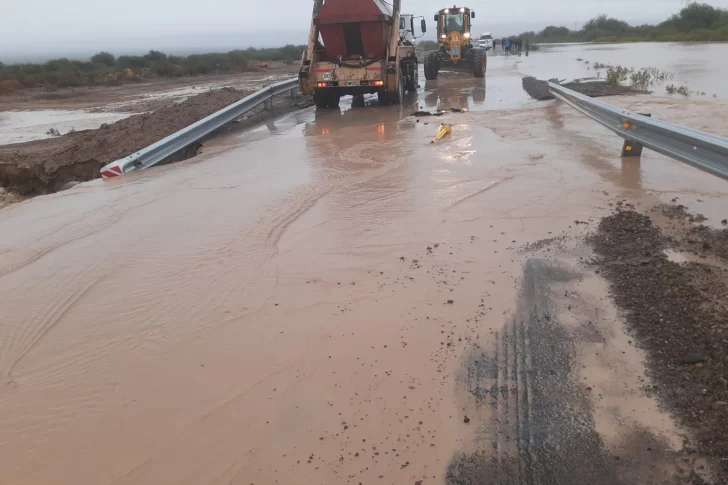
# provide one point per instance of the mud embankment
(678, 312)
(45, 166)
(539, 90)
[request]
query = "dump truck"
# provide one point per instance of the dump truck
(457, 52)
(357, 47)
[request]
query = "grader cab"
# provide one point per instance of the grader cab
(457, 52)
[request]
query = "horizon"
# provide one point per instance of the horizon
(81, 45)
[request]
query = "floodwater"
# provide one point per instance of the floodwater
(22, 126)
(699, 66)
(315, 301)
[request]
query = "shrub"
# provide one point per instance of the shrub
(616, 75)
(103, 58)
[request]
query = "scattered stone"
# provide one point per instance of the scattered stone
(450, 302)
(676, 312)
(694, 358)
(466, 420)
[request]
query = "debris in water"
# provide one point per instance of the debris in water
(428, 113)
(445, 129)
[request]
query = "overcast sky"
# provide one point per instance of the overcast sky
(33, 29)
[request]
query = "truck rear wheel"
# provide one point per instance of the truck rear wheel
(432, 65)
(383, 97)
(319, 99)
(413, 81)
(480, 62)
(325, 99)
(333, 100)
(397, 96)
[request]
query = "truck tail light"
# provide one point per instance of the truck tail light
(378, 83)
(321, 85)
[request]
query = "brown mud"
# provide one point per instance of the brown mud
(539, 90)
(135, 97)
(45, 166)
(677, 311)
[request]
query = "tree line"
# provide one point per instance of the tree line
(105, 68)
(695, 22)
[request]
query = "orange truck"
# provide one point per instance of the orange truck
(358, 47)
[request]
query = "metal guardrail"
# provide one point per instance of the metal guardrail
(156, 152)
(699, 149)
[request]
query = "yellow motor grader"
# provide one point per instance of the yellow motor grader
(456, 52)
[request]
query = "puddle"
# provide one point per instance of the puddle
(678, 256)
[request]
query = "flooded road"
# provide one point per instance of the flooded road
(331, 299)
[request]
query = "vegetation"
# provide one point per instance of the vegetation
(616, 75)
(696, 22)
(428, 45)
(672, 89)
(640, 78)
(105, 68)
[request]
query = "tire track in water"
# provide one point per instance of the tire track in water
(25, 336)
(539, 424)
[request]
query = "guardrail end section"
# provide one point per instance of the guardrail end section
(111, 170)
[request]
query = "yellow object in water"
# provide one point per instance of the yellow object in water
(442, 133)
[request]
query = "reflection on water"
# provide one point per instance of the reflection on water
(699, 66)
(456, 93)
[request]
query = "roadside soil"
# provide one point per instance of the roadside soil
(143, 95)
(669, 274)
(539, 90)
(45, 166)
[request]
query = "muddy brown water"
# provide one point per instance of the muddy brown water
(306, 302)
(695, 65)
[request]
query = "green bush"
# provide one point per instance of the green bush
(428, 45)
(616, 75)
(104, 58)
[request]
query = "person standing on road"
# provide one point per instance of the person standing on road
(507, 46)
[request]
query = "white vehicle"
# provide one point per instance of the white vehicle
(485, 41)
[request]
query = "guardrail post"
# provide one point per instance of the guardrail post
(268, 103)
(294, 92)
(631, 148)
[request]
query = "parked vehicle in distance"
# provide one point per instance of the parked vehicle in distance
(486, 41)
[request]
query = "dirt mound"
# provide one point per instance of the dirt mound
(539, 90)
(44, 166)
(679, 315)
